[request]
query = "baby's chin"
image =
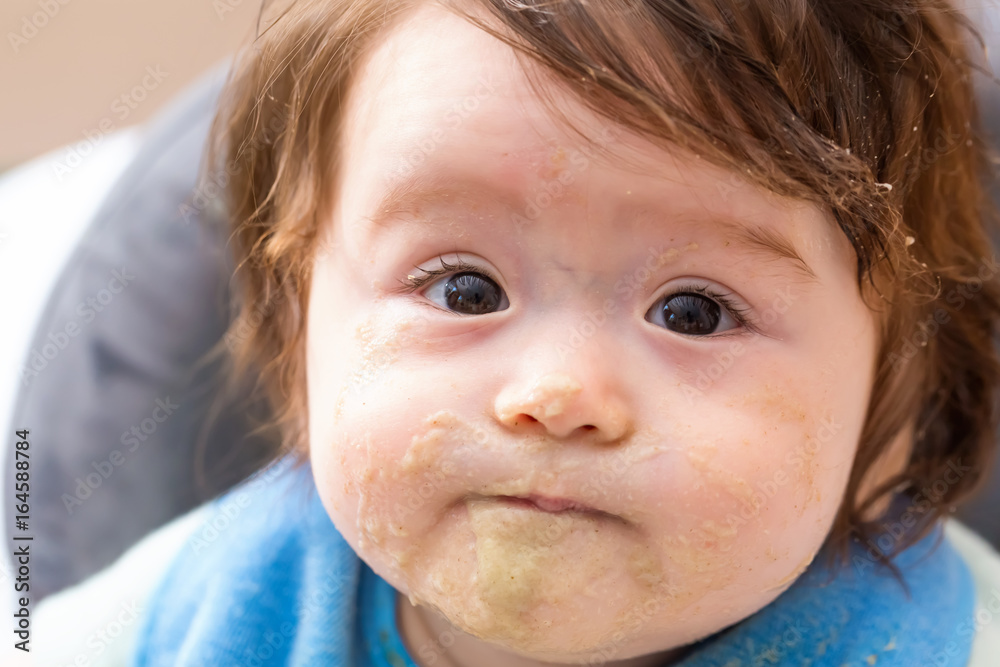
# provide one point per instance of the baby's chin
(559, 587)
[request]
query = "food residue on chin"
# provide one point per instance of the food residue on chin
(530, 563)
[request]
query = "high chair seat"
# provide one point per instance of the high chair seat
(130, 298)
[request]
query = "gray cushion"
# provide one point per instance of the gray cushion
(116, 415)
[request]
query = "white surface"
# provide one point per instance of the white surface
(45, 206)
(984, 563)
(95, 623)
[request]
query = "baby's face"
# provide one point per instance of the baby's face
(576, 406)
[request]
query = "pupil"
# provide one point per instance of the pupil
(472, 293)
(691, 314)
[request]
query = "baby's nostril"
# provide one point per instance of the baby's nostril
(588, 427)
(524, 419)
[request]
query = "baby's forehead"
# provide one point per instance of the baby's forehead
(514, 177)
(428, 88)
(443, 120)
(477, 131)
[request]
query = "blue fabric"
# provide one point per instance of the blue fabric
(268, 580)
(380, 638)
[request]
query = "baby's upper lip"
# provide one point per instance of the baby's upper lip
(549, 504)
(555, 505)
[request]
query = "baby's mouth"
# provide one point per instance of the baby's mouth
(553, 505)
(547, 504)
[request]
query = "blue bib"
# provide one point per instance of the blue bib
(268, 580)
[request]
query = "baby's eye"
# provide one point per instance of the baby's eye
(468, 293)
(692, 314)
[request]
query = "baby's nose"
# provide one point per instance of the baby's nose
(565, 407)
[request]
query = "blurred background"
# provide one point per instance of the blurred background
(72, 69)
(78, 76)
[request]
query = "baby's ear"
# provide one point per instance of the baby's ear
(892, 461)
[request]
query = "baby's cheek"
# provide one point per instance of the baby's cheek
(366, 395)
(400, 482)
(746, 506)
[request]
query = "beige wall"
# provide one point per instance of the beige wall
(89, 65)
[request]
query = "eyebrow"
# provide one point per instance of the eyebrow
(769, 243)
(407, 194)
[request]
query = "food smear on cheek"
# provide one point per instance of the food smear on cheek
(399, 499)
(739, 500)
(794, 472)
(378, 346)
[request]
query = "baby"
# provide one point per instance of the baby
(589, 325)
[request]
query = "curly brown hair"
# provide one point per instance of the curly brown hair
(864, 107)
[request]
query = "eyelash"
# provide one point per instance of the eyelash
(413, 283)
(742, 315)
